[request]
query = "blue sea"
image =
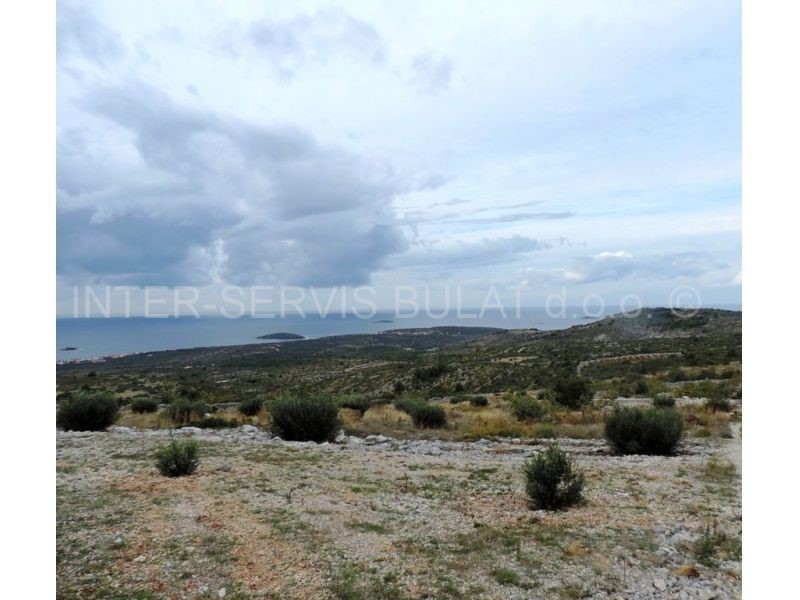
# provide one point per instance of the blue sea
(99, 337)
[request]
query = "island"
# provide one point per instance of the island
(280, 336)
(383, 321)
(68, 348)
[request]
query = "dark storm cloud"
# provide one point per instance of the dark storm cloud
(190, 196)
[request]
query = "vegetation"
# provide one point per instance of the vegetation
(664, 402)
(251, 407)
(144, 405)
(572, 392)
(305, 418)
(718, 405)
(428, 415)
(359, 402)
(183, 411)
(178, 458)
(211, 422)
(551, 480)
(478, 400)
(644, 431)
(468, 364)
(423, 414)
(526, 408)
(87, 411)
(505, 576)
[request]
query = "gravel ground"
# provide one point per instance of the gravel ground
(381, 518)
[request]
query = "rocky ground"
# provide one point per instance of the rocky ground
(382, 518)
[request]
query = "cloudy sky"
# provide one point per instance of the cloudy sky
(593, 146)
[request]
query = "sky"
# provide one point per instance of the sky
(583, 148)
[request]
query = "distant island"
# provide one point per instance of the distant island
(383, 321)
(280, 336)
(68, 348)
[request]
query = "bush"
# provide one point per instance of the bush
(650, 431)
(526, 408)
(432, 372)
(305, 418)
(356, 402)
(178, 458)
(214, 423)
(664, 402)
(428, 416)
(551, 480)
(182, 411)
(251, 407)
(479, 400)
(676, 374)
(572, 392)
(718, 405)
(144, 405)
(407, 404)
(87, 411)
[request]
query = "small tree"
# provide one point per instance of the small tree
(305, 418)
(650, 431)
(551, 480)
(526, 408)
(251, 407)
(572, 392)
(87, 411)
(178, 458)
(428, 416)
(144, 405)
(664, 401)
(478, 400)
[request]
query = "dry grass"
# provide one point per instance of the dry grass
(464, 422)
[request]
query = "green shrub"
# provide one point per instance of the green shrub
(305, 418)
(178, 458)
(430, 416)
(407, 404)
(676, 375)
(432, 372)
(718, 405)
(251, 407)
(664, 402)
(505, 576)
(551, 480)
(144, 405)
(183, 411)
(479, 400)
(526, 408)
(357, 402)
(644, 431)
(87, 411)
(214, 423)
(572, 392)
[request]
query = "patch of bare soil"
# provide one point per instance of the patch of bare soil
(383, 518)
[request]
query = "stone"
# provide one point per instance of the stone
(121, 430)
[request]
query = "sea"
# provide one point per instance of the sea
(94, 338)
